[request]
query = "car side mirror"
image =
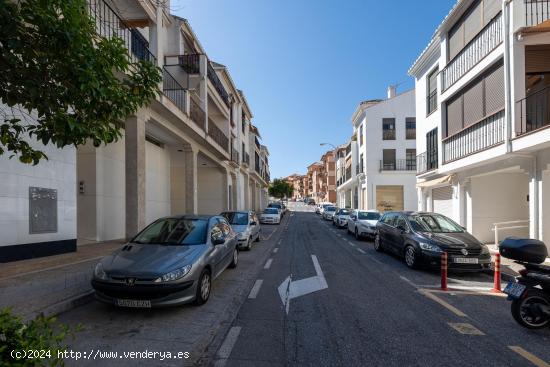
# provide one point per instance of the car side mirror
(218, 240)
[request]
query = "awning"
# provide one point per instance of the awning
(438, 181)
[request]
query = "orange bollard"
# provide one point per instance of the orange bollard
(497, 287)
(444, 271)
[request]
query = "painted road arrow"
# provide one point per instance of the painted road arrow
(290, 289)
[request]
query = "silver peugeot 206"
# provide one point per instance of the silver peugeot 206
(172, 261)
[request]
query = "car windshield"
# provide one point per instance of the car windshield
(174, 231)
(271, 211)
(343, 212)
(236, 218)
(435, 223)
(325, 206)
(330, 209)
(369, 215)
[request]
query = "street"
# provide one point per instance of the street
(375, 311)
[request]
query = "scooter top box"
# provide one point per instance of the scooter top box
(523, 249)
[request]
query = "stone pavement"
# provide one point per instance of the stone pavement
(53, 284)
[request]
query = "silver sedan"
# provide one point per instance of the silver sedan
(171, 262)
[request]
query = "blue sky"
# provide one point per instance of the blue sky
(304, 65)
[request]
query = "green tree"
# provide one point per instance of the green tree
(280, 188)
(60, 82)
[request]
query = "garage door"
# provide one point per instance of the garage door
(442, 199)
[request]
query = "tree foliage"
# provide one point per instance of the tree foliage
(60, 82)
(280, 188)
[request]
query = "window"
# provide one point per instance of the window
(361, 135)
(401, 222)
(410, 126)
(388, 129)
(431, 98)
(243, 150)
(410, 159)
(431, 149)
(361, 164)
(388, 160)
(174, 231)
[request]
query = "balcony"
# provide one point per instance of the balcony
(234, 156)
(213, 77)
(425, 162)
(196, 113)
(109, 25)
(536, 12)
(398, 165)
(483, 135)
(173, 90)
(190, 63)
(246, 159)
(486, 41)
(217, 135)
(534, 112)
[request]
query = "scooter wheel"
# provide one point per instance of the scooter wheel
(528, 312)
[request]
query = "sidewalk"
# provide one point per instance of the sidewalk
(53, 284)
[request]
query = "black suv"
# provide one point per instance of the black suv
(421, 237)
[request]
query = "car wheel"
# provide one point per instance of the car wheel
(258, 238)
(377, 245)
(526, 311)
(249, 244)
(357, 236)
(333, 224)
(235, 259)
(203, 288)
(410, 257)
(347, 229)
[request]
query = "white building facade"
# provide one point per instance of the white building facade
(482, 101)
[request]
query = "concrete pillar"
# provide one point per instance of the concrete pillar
(225, 188)
(135, 174)
(191, 176)
(246, 186)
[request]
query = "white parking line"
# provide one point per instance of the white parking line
(351, 243)
(278, 243)
(268, 264)
(361, 251)
(275, 250)
(227, 347)
(255, 289)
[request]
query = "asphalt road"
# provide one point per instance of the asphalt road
(375, 311)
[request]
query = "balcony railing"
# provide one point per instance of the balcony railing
(196, 113)
(234, 155)
(398, 165)
(213, 77)
(190, 63)
(109, 25)
(536, 12)
(388, 135)
(173, 90)
(410, 134)
(421, 163)
(257, 142)
(246, 159)
(475, 138)
(217, 135)
(485, 42)
(534, 111)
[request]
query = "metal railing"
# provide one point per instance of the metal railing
(431, 102)
(486, 41)
(217, 135)
(246, 158)
(257, 142)
(425, 163)
(514, 224)
(234, 155)
(536, 12)
(173, 90)
(213, 77)
(398, 165)
(534, 111)
(196, 113)
(388, 135)
(190, 63)
(477, 137)
(109, 25)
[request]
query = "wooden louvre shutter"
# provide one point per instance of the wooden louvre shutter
(537, 59)
(472, 23)
(454, 116)
(494, 91)
(456, 40)
(473, 103)
(490, 9)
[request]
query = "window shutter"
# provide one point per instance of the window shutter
(456, 40)
(537, 59)
(454, 116)
(494, 91)
(490, 9)
(472, 23)
(473, 103)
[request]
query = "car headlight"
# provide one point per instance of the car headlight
(430, 247)
(485, 250)
(99, 272)
(175, 274)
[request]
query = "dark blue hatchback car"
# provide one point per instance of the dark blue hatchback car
(421, 237)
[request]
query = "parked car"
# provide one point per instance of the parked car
(340, 218)
(311, 202)
(362, 223)
(271, 216)
(247, 226)
(323, 206)
(329, 212)
(422, 237)
(171, 262)
(277, 206)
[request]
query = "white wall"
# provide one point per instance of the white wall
(490, 206)
(59, 173)
(157, 182)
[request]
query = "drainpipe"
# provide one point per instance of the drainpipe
(507, 76)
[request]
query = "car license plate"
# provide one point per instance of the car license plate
(465, 260)
(514, 290)
(133, 303)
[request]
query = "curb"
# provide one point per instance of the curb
(65, 305)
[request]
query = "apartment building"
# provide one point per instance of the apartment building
(347, 180)
(329, 181)
(187, 152)
(482, 102)
(315, 178)
(297, 182)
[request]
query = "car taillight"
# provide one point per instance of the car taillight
(524, 272)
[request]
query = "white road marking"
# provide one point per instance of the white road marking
(268, 264)
(376, 260)
(361, 251)
(465, 328)
(278, 243)
(408, 281)
(227, 346)
(275, 250)
(351, 243)
(255, 289)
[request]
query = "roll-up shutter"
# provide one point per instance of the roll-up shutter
(472, 23)
(456, 40)
(494, 91)
(490, 9)
(442, 201)
(454, 116)
(473, 103)
(537, 59)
